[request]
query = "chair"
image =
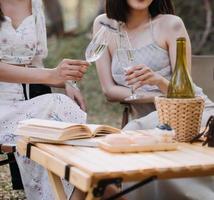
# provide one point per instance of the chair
(202, 75)
(125, 115)
(8, 151)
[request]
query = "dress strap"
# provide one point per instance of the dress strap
(27, 89)
(38, 12)
(123, 41)
(152, 30)
(119, 37)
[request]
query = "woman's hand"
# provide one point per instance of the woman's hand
(76, 95)
(138, 76)
(69, 70)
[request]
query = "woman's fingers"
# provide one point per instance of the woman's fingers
(141, 78)
(75, 73)
(138, 76)
(80, 101)
(72, 78)
(138, 73)
(76, 95)
(134, 68)
(72, 69)
(137, 85)
(75, 62)
(80, 68)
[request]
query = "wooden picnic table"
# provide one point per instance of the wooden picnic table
(91, 169)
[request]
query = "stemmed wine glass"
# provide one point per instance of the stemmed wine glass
(127, 57)
(95, 48)
(98, 44)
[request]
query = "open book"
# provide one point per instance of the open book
(60, 131)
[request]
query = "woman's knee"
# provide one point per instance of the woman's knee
(206, 115)
(148, 122)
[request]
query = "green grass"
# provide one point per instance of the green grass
(99, 110)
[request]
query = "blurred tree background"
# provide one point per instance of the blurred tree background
(70, 17)
(198, 16)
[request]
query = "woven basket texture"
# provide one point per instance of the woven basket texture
(183, 115)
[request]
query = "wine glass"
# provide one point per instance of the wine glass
(98, 44)
(127, 57)
(96, 48)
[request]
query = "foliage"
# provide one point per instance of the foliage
(194, 15)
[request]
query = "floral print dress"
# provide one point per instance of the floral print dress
(22, 46)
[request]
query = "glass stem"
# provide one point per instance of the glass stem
(133, 94)
(132, 90)
(73, 84)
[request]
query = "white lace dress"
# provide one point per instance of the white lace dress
(22, 46)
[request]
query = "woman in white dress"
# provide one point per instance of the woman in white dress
(23, 43)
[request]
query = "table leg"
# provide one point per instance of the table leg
(90, 195)
(57, 186)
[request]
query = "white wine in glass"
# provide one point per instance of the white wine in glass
(98, 45)
(96, 48)
(127, 57)
(127, 60)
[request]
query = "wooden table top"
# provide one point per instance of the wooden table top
(89, 165)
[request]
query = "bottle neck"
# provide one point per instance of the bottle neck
(181, 54)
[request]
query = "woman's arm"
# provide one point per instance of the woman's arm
(38, 62)
(66, 70)
(175, 29)
(112, 91)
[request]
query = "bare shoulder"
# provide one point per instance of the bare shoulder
(167, 28)
(170, 22)
(103, 19)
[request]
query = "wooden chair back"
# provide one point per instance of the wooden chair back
(203, 73)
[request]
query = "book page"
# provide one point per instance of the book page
(102, 129)
(54, 130)
(57, 130)
(48, 123)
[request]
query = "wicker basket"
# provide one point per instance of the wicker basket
(183, 115)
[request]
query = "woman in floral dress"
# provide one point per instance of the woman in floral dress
(23, 43)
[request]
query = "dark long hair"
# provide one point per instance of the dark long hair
(119, 9)
(1, 16)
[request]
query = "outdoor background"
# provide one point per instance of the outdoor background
(77, 18)
(69, 25)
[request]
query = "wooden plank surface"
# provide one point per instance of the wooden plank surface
(54, 164)
(188, 160)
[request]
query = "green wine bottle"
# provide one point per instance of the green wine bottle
(181, 85)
